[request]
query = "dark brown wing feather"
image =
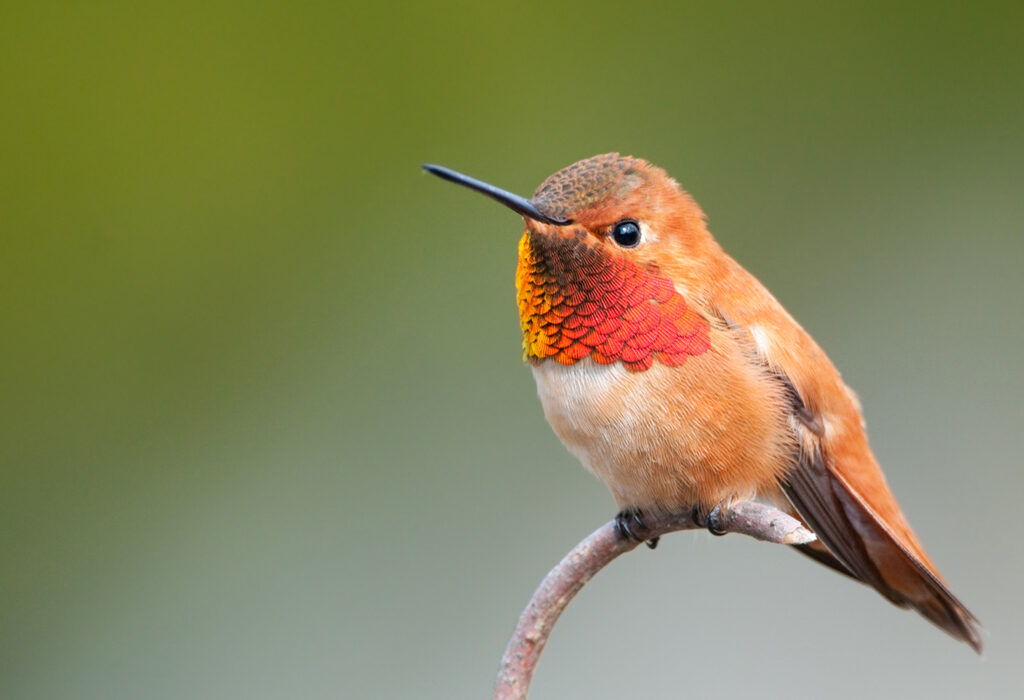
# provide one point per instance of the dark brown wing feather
(819, 553)
(860, 545)
(845, 525)
(809, 489)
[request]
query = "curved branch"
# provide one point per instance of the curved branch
(563, 582)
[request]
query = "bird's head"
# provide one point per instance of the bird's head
(605, 239)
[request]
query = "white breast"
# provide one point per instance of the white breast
(603, 414)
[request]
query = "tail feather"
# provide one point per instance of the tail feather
(861, 543)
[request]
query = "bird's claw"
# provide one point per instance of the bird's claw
(712, 520)
(630, 525)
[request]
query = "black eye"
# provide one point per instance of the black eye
(626, 233)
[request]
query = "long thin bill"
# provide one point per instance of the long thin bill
(518, 204)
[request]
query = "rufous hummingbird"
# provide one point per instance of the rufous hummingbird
(681, 382)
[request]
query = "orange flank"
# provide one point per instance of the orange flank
(680, 381)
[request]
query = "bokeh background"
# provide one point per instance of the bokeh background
(265, 430)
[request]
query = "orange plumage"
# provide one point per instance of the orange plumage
(678, 379)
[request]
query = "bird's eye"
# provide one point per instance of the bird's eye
(626, 233)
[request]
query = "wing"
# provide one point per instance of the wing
(860, 541)
(834, 482)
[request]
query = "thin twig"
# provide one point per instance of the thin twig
(563, 582)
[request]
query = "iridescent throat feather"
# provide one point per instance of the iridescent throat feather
(576, 300)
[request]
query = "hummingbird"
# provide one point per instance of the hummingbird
(675, 377)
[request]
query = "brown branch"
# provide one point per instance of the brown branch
(563, 582)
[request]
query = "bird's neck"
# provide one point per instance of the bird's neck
(576, 300)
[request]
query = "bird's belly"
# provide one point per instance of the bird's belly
(669, 437)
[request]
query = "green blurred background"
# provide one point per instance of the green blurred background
(265, 429)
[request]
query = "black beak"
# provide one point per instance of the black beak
(519, 205)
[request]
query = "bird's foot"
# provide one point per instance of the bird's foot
(629, 523)
(711, 520)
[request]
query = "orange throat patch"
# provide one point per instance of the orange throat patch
(577, 300)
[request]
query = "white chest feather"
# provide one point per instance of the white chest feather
(609, 419)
